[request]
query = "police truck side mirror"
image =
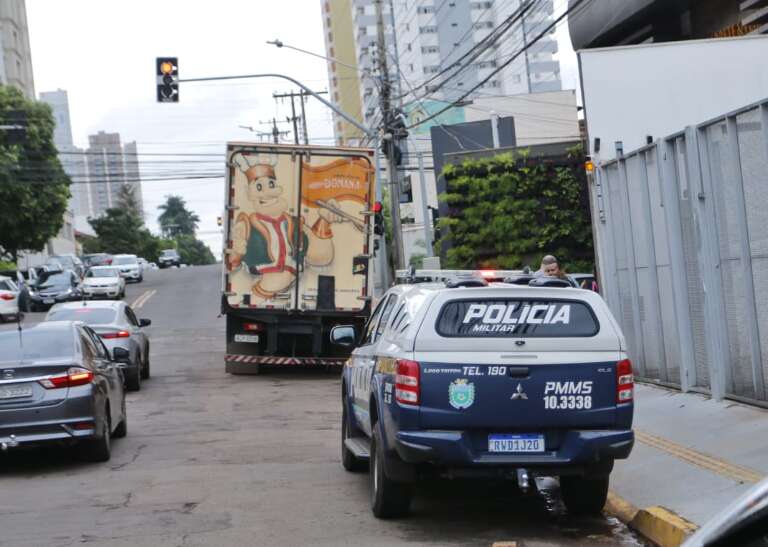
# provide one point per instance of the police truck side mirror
(343, 335)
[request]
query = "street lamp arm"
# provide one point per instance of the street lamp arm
(365, 129)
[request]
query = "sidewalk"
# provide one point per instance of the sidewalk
(692, 455)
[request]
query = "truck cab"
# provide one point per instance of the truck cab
(493, 380)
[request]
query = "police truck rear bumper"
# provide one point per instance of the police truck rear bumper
(581, 449)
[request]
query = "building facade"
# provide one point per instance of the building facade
(623, 22)
(16, 57)
(343, 73)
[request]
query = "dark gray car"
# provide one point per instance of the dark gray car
(117, 325)
(58, 383)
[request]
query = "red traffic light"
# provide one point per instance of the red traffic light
(377, 207)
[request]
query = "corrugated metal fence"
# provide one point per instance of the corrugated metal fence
(682, 236)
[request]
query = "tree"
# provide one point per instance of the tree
(121, 231)
(509, 211)
(126, 199)
(175, 219)
(194, 252)
(33, 186)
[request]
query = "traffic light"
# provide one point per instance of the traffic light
(167, 79)
(378, 219)
(219, 221)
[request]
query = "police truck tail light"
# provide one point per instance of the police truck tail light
(625, 381)
(407, 382)
(75, 376)
(117, 334)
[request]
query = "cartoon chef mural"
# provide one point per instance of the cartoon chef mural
(269, 240)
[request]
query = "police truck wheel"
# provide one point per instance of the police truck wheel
(389, 499)
(349, 461)
(584, 496)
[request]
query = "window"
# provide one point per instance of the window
(430, 49)
(508, 318)
(385, 315)
(516, 78)
(371, 326)
(427, 9)
(131, 317)
(431, 69)
(98, 345)
(486, 64)
(481, 5)
(483, 24)
(428, 30)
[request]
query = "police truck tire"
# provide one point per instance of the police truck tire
(389, 499)
(349, 461)
(584, 496)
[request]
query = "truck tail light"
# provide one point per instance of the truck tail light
(116, 334)
(75, 376)
(253, 327)
(407, 382)
(625, 382)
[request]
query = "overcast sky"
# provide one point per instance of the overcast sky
(103, 53)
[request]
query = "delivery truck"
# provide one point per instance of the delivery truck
(298, 244)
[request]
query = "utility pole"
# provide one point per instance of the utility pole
(302, 96)
(425, 207)
(390, 138)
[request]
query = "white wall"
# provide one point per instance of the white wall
(657, 89)
(540, 118)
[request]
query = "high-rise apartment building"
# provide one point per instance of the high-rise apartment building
(15, 53)
(343, 73)
(108, 171)
(71, 157)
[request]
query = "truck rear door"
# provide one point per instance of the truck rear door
(516, 363)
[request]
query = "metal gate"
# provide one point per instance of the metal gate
(682, 233)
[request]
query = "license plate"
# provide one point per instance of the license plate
(247, 338)
(49, 301)
(11, 392)
(516, 443)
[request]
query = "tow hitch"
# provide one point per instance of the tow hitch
(522, 480)
(10, 443)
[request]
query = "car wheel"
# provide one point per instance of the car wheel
(349, 461)
(389, 499)
(100, 448)
(145, 369)
(584, 496)
(133, 378)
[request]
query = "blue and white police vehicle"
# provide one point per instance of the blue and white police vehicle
(470, 378)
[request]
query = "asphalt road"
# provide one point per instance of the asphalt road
(213, 459)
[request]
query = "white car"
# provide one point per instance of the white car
(9, 299)
(103, 282)
(129, 267)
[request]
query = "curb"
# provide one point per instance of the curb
(657, 524)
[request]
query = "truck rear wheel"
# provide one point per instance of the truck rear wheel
(584, 496)
(389, 499)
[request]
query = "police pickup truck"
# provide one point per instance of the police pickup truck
(466, 378)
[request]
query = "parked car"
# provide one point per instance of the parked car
(118, 327)
(59, 384)
(68, 262)
(129, 266)
(97, 259)
(466, 378)
(103, 282)
(9, 299)
(52, 287)
(168, 258)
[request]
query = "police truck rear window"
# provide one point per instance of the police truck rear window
(515, 318)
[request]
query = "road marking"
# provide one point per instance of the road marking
(710, 463)
(141, 300)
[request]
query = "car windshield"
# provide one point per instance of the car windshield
(89, 316)
(168, 253)
(103, 272)
(61, 279)
(125, 260)
(35, 344)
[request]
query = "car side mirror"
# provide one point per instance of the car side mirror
(145, 322)
(121, 355)
(343, 335)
